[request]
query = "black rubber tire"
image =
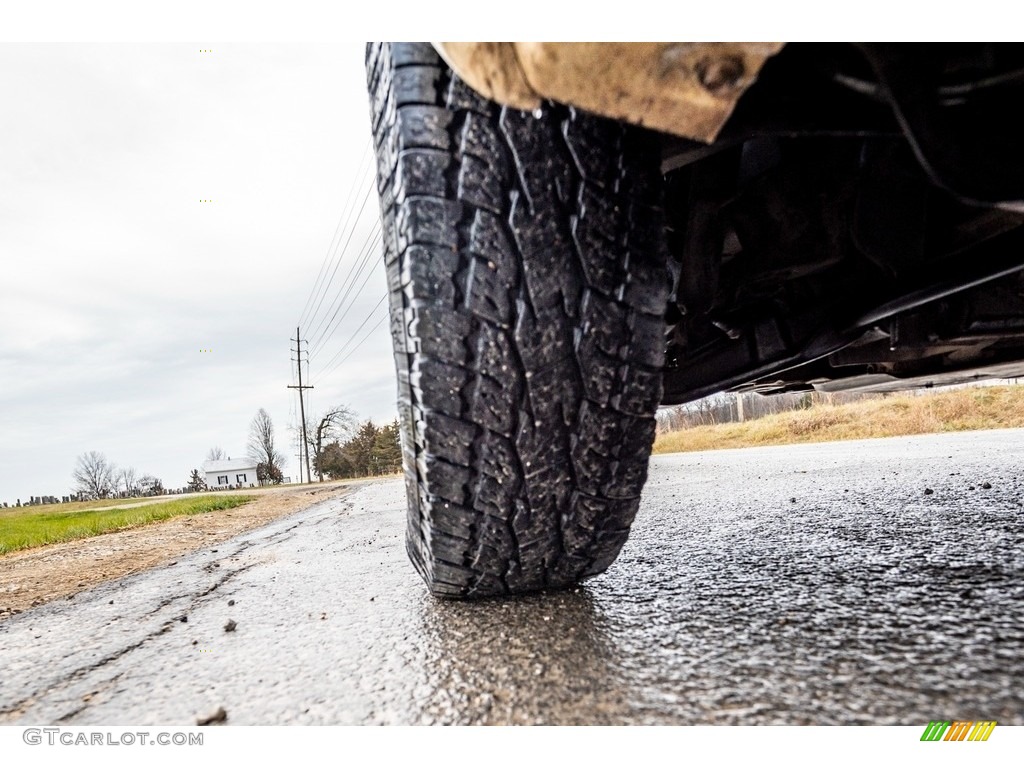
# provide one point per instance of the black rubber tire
(528, 280)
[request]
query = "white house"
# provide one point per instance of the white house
(229, 473)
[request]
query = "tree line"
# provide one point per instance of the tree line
(97, 478)
(339, 445)
(372, 450)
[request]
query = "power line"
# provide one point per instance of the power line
(341, 258)
(343, 222)
(357, 346)
(366, 249)
(370, 250)
(346, 215)
(355, 268)
(340, 251)
(356, 331)
(329, 369)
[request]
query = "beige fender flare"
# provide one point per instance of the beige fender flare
(686, 89)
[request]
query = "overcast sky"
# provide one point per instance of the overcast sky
(115, 277)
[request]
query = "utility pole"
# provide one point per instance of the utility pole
(302, 407)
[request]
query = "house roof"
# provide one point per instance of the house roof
(229, 465)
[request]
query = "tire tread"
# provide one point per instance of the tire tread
(527, 274)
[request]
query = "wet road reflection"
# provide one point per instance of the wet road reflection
(812, 584)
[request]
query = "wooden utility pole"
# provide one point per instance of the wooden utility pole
(302, 407)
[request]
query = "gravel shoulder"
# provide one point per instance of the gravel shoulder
(35, 576)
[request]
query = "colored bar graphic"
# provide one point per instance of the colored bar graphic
(982, 730)
(934, 730)
(958, 730)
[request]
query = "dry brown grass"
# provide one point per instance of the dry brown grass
(951, 411)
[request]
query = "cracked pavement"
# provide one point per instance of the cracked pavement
(800, 584)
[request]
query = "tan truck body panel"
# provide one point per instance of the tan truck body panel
(686, 89)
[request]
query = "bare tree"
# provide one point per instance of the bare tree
(338, 424)
(127, 477)
(94, 476)
(151, 486)
(261, 444)
(216, 454)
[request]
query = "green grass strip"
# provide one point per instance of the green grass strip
(74, 506)
(34, 526)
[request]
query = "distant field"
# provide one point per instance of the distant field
(78, 506)
(952, 411)
(75, 506)
(27, 527)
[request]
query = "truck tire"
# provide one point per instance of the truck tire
(528, 279)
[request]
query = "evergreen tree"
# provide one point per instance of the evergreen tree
(372, 450)
(387, 449)
(196, 482)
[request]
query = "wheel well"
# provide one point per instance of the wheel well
(828, 233)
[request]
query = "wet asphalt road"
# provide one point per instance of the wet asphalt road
(814, 584)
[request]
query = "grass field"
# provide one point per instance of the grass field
(950, 411)
(73, 506)
(27, 527)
